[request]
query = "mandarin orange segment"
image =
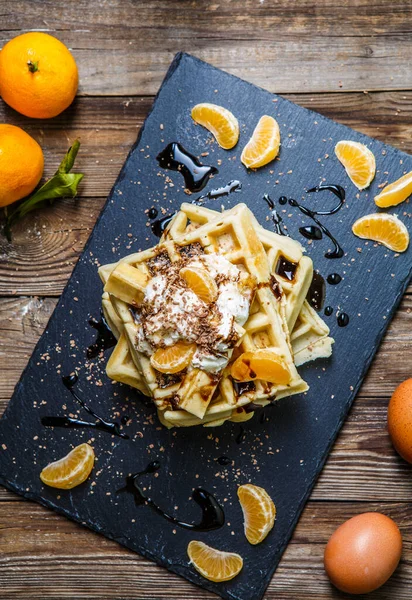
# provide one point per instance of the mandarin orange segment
(71, 470)
(383, 228)
(358, 161)
(263, 364)
(396, 192)
(200, 282)
(213, 564)
(263, 146)
(259, 512)
(219, 121)
(173, 359)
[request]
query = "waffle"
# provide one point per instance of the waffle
(309, 334)
(194, 398)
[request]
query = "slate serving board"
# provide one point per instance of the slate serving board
(285, 453)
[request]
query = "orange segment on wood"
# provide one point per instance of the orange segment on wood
(395, 192)
(264, 144)
(213, 564)
(200, 282)
(219, 121)
(261, 364)
(71, 470)
(259, 512)
(173, 358)
(383, 228)
(358, 161)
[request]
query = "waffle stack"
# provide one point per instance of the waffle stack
(279, 320)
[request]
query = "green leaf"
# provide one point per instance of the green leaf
(63, 184)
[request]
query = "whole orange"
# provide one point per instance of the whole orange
(38, 75)
(400, 419)
(21, 164)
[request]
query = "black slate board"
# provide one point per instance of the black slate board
(284, 454)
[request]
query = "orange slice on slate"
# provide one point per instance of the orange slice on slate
(71, 470)
(358, 161)
(259, 512)
(383, 228)
(173, 359)
(213, 564)
(395, 192)
(200, 282)
(261, 364)
(219, 121)
(263, 146)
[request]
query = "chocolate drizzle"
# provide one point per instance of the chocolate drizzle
(316, 232)
(286, 269)
(317, 291)
(342, 319)
(224, 461)
(276, 218)
(220, 192)
(176, 158)
(328, 311)
(104, 340)
(334, 279)
(311, 232)
(69, 382)
(158, 227)
(213, 516)
(243, 387)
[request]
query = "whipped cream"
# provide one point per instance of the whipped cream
(172, 312)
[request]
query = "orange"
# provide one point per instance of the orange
(21, 164)
(395, 192)
(383, 228)
(200, 282)
(38, 75)
(261, 364)
(173, 359)
(219, 121)
(358, 161)
(71, 470)
(264, 144)
(259, 512)
(213, 564)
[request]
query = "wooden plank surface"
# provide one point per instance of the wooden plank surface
(123, 46)
(322, 56)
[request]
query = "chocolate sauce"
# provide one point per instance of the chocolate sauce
(334, 278)
(328, 311)
(311, 232)
(337, 252)
(283, 200)
(71, 423)
(342, 319)
(176, 158)
(242, 387)
(316, 232)
(160, 225)
(69, 381)
(213, 516)
(276, 218)
(220, 192)
(124, 419)
(104, 340)
(241, 436)
(152, 213)
(317, 291)
(286, 269)
(224, 461)
(337, 190)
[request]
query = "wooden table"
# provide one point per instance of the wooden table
(350, 61)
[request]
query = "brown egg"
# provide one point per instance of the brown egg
(363, 553)
(400, 419)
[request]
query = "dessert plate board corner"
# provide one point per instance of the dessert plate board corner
(285, 453)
